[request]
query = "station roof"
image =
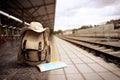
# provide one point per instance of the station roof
(42, 11)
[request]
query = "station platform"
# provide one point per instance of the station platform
(81, 65)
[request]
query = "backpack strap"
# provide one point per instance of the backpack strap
(44, 37)
(39, 50)
(24, 50)
(21, 39)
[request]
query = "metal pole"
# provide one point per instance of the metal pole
(12, 17)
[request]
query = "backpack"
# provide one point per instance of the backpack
(34, 48)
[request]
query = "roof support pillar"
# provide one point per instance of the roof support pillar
(12, 33)
(6, 31)
(0, 30)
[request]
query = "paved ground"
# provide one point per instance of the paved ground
(81, 65)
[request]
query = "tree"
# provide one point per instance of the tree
(74, 30)
(58, 32)
(85, 27)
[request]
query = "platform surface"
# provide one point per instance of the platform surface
(81, 65)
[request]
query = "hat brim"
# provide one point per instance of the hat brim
(29, 28)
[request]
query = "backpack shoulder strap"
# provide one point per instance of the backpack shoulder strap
(44, 37)
(21, 39)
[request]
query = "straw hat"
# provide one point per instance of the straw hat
(34, 26)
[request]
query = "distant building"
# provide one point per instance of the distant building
(96, 31)
(67, 32)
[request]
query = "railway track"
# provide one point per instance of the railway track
(108, 52)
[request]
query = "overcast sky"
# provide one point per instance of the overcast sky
(75, 13)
